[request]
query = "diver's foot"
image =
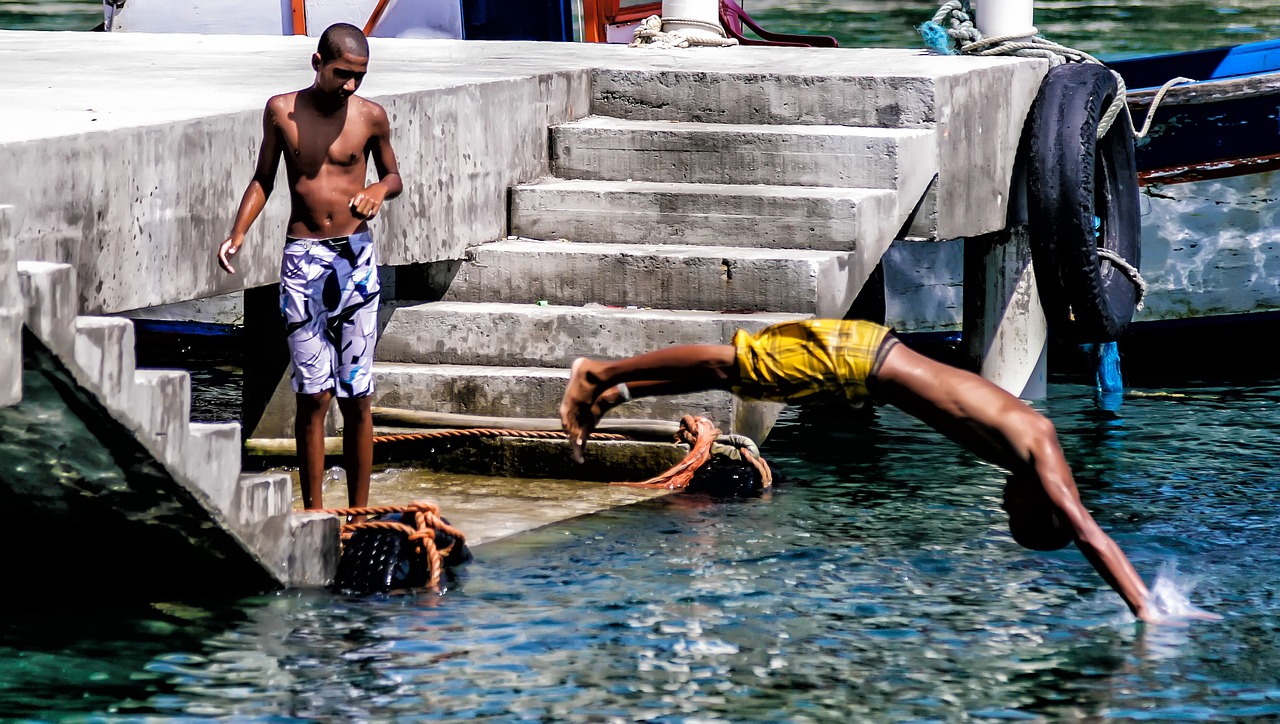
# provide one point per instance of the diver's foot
(577, 417)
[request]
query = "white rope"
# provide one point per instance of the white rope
(1130, 272)
(970, 41)
(649, 34)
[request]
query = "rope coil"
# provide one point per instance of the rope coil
(427, 521)
(650, 34)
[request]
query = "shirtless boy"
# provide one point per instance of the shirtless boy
(856, 361)
(329, 286)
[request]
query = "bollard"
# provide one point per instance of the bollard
(1005, 17)
(703, 17)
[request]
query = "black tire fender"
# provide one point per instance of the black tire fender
(1082, 196)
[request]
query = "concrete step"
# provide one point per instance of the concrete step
(821, 283)
(550, 336)
(260, 513)
(884, 88)
(163, 404)
(643, 212)
(104, 351)
(211, 461)
(313, 551)
(49, 292)
(536, 391)
(614, 149)
(12, 313)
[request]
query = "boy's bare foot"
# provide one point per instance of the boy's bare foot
(576, 415)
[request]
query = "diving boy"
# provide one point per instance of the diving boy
(329, 288)
(856, 361)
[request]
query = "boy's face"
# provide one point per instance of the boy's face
(1034, 520)
(340, 77)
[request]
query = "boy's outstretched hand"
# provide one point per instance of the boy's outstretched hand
(228, 249)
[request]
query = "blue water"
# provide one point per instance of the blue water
(880, 586)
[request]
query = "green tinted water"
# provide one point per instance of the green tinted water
(882, 585)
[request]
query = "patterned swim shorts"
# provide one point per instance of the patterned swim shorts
(329, 294)
(811, 358)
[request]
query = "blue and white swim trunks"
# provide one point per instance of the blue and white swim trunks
(329, 294)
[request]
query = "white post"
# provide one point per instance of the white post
(704, 13)
(1005, 17)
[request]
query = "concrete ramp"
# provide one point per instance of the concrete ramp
(105, 457)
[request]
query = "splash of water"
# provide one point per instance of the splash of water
(1169, 596)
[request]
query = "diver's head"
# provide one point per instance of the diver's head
(1034, 520)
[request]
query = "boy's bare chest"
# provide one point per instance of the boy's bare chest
(311, 146)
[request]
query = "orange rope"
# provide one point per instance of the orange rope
(487, 432)
(427, 520)
(696, 432)
(376, 16)
(299, 17)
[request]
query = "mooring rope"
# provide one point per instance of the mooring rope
(488, 432)
(701, 435)
(427, 520)
(649, 34)
(1130, 272)
(961, 36)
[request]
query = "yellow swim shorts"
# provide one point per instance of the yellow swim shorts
(795, 361)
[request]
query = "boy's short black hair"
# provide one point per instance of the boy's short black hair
(342, 38)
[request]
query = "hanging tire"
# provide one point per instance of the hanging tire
(1082, 196)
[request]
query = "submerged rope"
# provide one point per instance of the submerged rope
(702, 437)
(427, 521)
(961, 36)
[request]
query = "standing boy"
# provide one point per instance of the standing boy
(329, 286)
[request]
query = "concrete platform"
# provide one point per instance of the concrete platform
(150, 166)
(761, 216)
(669, 276)
(527, 335)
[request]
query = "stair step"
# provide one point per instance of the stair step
(517, 392)
(536, 392)
(313, 551)
(163, 407)
(644, 212)
(886, 88)
(262, 508)
(821, 283)
(104, 352)
(211, 461)
(49, 291)
(548, 336)
(616, 149)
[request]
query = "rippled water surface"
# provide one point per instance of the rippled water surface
(880, 585)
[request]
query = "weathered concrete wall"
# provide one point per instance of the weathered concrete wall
(924, 285)
(11, 315)
(152, 201)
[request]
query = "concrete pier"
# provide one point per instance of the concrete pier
(697, 191)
